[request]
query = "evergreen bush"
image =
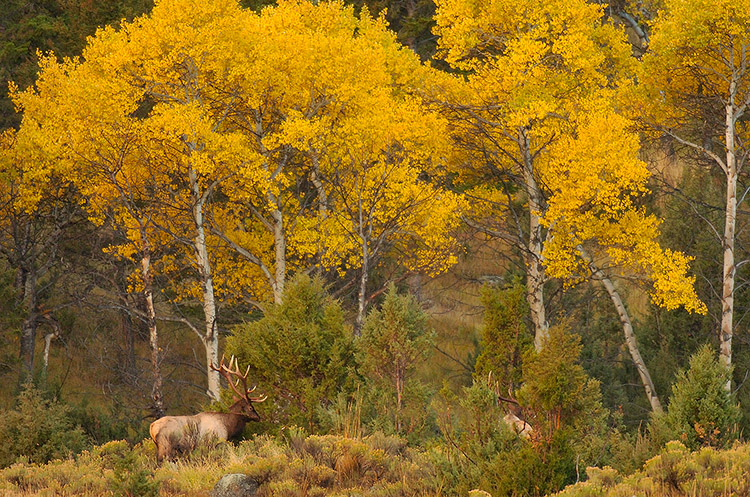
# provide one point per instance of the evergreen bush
(395, 339)
(38, 430)
(300, 353)
(701, 411)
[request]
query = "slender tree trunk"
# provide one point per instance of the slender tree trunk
(399, 397)
(322, 210)
(320, 189)
(45, 359)
(627, 328)
(29, 327)
(279, 242)
(157, 398)
(632, 343)
(730, 217)
(211, 335)
(362, 294)
(535, 276)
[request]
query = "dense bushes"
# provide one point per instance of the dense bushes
(301, 353)
(675, 471)
(701, 411)
(291, 465)
(38, 430)
(570, 427)
(373, 466)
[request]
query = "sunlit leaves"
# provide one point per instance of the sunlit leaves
(537, 107)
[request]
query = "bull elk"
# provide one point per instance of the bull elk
(173, 434)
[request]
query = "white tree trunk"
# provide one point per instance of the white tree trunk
(632, 343)
(627, 328)
(210, 336)
(279, 242)
(535, 276)
(148, 294)
(28, 329)
(730, 217)
(362, 294)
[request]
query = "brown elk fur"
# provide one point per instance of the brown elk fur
(179, 434)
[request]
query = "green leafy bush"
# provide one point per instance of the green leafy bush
(300, 353)
(38, 430)
(395, 339)
(701, 412)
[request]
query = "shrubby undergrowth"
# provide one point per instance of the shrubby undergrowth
(38, 430)
(292, 464)
(377, 465)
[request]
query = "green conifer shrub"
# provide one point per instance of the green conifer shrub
(395, 340)
(504, 336)
(300, 353)
(701, 412)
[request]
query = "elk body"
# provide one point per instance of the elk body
(180, 434)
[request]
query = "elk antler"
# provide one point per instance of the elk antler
(234, 377)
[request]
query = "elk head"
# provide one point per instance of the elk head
(238, 382)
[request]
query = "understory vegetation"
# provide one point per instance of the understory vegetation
(344, 426)
(295, 464)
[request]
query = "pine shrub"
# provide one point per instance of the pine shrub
(300, 353)
(701, 411)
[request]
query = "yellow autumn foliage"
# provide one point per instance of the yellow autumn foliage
(206, 101)
(537, 110)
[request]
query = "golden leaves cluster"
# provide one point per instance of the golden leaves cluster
(539, 104)
(202, 97)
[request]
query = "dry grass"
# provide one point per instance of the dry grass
(302, 466)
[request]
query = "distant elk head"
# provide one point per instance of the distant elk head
(515, 418)
(179, 434)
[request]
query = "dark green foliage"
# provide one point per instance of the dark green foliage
(300, 353)
(473, 437)
(102, 424)
(553, 381)
(670, 338)
(564, 405)
(561, 403)
(701, 412)
(38, 430)
(395, 339)
(532, 470)
(605, 357)
(504, 336)
(412, 20)
(60, 26)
